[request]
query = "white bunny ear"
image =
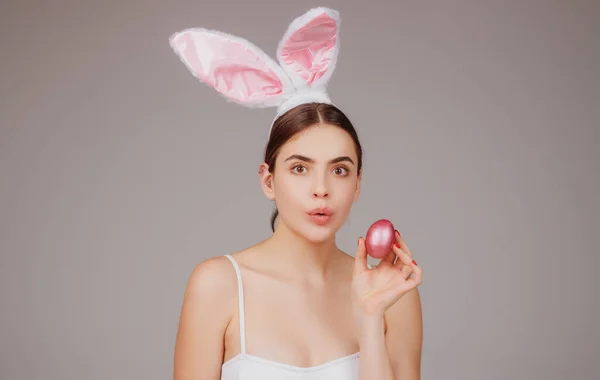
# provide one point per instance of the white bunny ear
(231, 65)
(309, 48)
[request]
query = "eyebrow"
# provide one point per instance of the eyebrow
(308, 159)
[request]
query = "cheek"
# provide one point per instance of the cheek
(345, 191)
(291, 191)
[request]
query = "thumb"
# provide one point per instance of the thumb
(360, 262)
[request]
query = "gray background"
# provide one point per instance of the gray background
(119, 172)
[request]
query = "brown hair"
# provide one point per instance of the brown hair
(298, 119)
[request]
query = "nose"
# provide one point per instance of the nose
(320, 193)
(320, 189)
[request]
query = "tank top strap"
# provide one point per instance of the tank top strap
(238, 272)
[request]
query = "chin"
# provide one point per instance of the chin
(318, 234)
(317, 237)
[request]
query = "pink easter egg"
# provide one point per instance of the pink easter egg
(380, 238)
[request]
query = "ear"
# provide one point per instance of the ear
(266, 181)
(231, 65)
(309, 48)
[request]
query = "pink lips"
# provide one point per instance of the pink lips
(321, 215)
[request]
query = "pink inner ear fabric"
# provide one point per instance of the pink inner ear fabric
(229, 66)
(309, 50)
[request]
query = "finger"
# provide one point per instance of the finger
(403, 257)
(402, 243)
(360, 262)
(417, 279)
(406, 271)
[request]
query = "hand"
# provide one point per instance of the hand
(375, 290)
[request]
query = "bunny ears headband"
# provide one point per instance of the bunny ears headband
(244, 74)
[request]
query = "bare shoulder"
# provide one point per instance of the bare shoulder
(212, 279)
(404, 335)
(208, 306)
(405, 313)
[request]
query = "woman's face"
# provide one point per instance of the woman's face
(316, 181)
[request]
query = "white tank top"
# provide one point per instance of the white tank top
(245, 366)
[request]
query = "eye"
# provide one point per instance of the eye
(298, 168)
(341, 170)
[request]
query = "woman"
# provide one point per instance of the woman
(294, 306)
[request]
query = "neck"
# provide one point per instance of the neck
(298, 256)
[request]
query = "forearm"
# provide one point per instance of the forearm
(374, 361)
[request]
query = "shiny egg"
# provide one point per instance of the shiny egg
(380, 238)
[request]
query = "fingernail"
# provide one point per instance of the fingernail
(414, 263)
(396, 244)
